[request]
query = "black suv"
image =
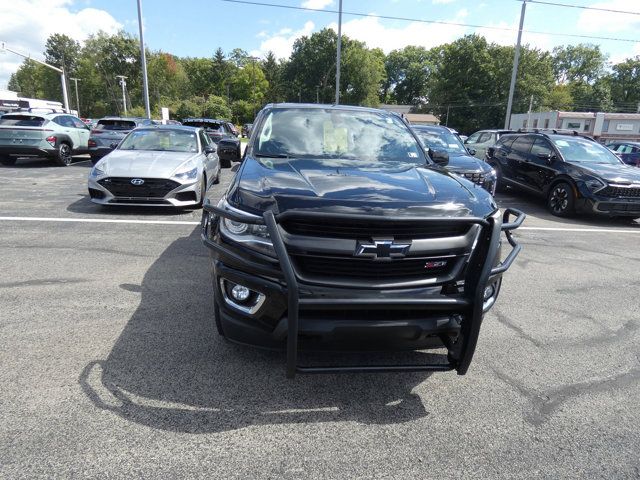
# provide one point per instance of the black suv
(573, 173)
(338, 230)
(220, 132)
(461, 160)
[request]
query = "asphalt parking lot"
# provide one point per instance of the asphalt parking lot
(110, 366)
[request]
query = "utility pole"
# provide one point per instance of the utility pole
(76, 80)
(514, 72)
(317, 93)
(123, 83)
(339, 53)
(446, 122)
(143, 60)
(65, 96)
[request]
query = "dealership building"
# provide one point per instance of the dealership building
(600, 125)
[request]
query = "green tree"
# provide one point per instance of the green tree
(249, 83)
(274, 74)
(578, 63)
(242, 112)
(625, 83)
(28, 80)
(199, 72)
(408, 72)
(216, 107)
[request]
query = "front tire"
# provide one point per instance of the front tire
(203, 191)
(561, 200)
(8, 161)
(63, 156)
(226, 163)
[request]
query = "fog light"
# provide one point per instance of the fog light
(489, 291)
(240, 293)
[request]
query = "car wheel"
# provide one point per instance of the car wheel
(226, 163)
(8, 161)
(63, 156)
(561, 200)
(203, 191)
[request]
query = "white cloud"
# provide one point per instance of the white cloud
(281, 43)
(509, 37)
(317, 4)
(376, 35)
(26, 25)
(594, 21)
(440, 2)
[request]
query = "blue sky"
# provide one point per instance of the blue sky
(198, 27)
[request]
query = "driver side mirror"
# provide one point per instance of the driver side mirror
(440, 157)
(209, 149)
(113, 145)
(472, 151)
(546, 156)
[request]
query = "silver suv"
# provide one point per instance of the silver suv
(55, 135)
(480, 141)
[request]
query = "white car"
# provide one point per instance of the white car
(162, 165)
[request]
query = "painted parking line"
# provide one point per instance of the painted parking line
(98, 220)
(185, 222)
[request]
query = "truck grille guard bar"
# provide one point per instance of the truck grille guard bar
(480, 272)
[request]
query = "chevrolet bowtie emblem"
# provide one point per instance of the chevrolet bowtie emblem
(382, 249)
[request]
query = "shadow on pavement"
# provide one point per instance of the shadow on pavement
(42, 162)
(86, 206)
(170, 370)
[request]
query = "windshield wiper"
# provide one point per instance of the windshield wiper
(271, 155)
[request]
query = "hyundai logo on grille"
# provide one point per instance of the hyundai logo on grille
(137, 181)
(382, 249)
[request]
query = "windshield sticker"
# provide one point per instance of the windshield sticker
(335, 139)
(412, 155)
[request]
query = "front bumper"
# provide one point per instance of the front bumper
(184, 195)
(299, 312)
(607, 206)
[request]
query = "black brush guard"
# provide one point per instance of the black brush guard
(483, 269)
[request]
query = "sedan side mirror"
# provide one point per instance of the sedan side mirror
(440, 157)
(209, 149)
(546, 156)
(113, 145)
(472, 151)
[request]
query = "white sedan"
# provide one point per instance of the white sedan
(163, 165)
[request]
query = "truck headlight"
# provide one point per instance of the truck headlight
(250, 235)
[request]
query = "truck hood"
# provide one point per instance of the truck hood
(466, 163)
(143, 163)
(336, 186)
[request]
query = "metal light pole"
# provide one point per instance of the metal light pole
(76, 80)
(143, 60)
(65, 96)
(339, 53)
(123, 83)
(516, 59)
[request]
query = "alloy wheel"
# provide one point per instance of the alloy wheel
(559, 199)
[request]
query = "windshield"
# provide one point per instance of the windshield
(353, 137)
(161, 140)
(580, 150)
(21, 121)
(115, 125)
(442, 140)
(207, 126)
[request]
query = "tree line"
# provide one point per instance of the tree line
(464, 82)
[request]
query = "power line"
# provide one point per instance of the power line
(437, 22)
(582, 7)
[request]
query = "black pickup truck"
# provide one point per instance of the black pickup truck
(339, 230)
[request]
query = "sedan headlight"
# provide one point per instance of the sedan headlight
(595, 185)
(98, 171)
(188, 171)
(250, 235)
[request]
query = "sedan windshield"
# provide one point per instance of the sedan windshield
(580, 150)
(442, 140)
(341, 137)
(161, 140)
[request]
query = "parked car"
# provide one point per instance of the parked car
(110, 131)
(246, 130)
(461, 161)
(233, 128)
(629, 152)
(482, 140)
(573, 173)
(54, 135)
(163, 165)
(340, 230)
(220, 132)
